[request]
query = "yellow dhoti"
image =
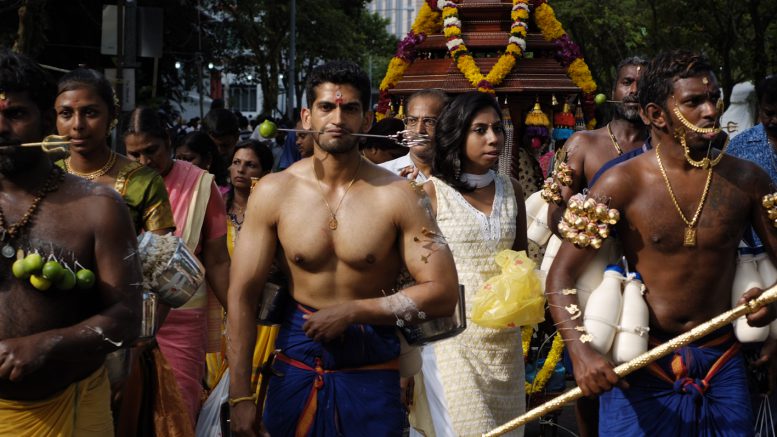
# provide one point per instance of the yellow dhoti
(83, 409)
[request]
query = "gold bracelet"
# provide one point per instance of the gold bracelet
(233, 401)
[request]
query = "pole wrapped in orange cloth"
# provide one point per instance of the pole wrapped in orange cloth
(83, 409)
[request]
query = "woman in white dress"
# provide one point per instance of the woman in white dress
(480, 214)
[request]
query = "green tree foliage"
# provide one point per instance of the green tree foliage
(252, 37)
(739, 36)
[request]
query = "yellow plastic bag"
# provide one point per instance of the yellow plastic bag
(511, 298)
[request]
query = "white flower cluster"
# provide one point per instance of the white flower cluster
(443, 3)
(154, 258)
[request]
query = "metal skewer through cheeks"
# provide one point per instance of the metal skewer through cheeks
(404, 138)
(50, 144)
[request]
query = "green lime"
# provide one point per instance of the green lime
(268, 129)
(39, 282)
(600, 99)
(33, 263)
(85, 279)
(18, 270)
(52, 271)
(67, 281)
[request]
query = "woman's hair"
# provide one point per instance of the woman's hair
(451, 133)
(82, 77)
(262, 152)
(200, 143)
(147, 121)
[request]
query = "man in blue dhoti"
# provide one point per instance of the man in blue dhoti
(341, 228)
(684, 207)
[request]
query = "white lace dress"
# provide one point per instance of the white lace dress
(481, 369)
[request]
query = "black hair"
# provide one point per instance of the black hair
(19, 73)
(340, 73)
(766, 90)
(266, 160)
(144, 120)
(220, 122)
(201, 143)
(428, 92)
(86, 77)
(387, 126)
(657, 81)
(451, 133)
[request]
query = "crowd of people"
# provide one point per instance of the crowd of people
(360, 240)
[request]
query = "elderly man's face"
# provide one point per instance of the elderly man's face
(421, 117)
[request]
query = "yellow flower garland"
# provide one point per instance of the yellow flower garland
(427, 22)
(548, 367)
(577, 71)
(464, 60)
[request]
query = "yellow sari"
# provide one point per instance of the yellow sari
(265, 341)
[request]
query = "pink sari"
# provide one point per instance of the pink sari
(183, 338)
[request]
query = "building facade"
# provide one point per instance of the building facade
(400, 14)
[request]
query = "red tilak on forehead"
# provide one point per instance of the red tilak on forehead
(338, 97)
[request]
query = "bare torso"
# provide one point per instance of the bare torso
(360, 259)
(59, 226)
(686, 286)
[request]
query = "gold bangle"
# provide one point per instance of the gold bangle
(233, 401)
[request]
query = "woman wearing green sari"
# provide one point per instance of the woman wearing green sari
(86, 113)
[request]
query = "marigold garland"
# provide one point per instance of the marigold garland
(570, 56)
(516, 45)
(548, 367)
(434, 14)
(427, 22)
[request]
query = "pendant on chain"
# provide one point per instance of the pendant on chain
(690, 237)
(333, 223)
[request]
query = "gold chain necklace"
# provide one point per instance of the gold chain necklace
(690, 233)
(95, 174)
(706, 161)
(51, 184)
(614, 141)
(333, 213)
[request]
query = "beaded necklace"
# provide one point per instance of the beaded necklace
(51, 184)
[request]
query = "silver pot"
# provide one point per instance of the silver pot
(148, 318)
(182, 276)
(439, 328)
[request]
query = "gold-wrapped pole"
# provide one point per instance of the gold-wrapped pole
(767, 297)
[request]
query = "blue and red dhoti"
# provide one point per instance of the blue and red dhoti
(346, 387)
(700, 390)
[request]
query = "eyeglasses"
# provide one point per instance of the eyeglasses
(429, 122)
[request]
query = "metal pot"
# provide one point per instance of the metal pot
(148, 318)
(439, 328)
(182, 276)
